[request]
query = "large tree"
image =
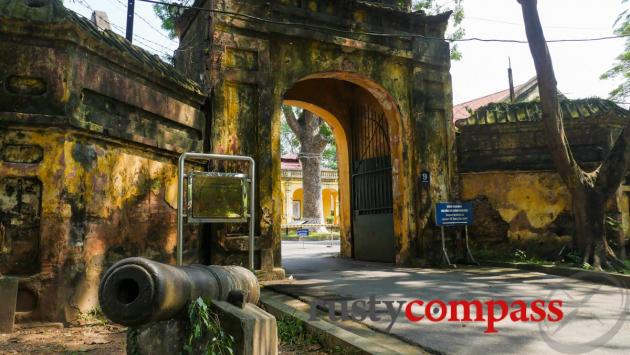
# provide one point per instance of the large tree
(590, 190)
(309, 130)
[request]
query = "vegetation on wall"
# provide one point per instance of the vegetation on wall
(455, 31)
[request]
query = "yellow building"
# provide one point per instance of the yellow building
(292, 192)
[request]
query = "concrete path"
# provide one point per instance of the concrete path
(595, 316)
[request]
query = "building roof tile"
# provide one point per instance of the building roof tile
(500, 113)
(53, 12)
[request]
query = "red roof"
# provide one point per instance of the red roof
(290, 162)
(460, 111)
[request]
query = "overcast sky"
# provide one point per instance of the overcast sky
(483, 69)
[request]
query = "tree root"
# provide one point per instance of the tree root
(604, 258)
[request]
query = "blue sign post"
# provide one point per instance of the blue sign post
(302, 233)
(454, 214)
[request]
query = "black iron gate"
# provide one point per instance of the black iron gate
(372, 219)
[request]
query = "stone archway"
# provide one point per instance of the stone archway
(334, 96)
(251, 68)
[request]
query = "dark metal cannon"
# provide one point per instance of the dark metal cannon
(137, 291)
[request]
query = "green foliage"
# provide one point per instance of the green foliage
(205, 331)
(621, 69)
(573, 257)
(289, 143)
(291, 331)
(455, 30)
(132, 341)
(93, 316)
(613, 223)
(168, 14)
(520, 255)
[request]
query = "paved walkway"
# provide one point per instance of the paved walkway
(595, 316)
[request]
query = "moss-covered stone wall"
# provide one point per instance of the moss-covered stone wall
(251, 68)
(506, 170)
(90, 131)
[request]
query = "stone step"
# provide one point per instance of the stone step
(350, 336)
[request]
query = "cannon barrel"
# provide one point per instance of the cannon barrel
(137, 291)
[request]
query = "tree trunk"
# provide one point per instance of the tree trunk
(590, 191)
(312, 187)
(312, 145)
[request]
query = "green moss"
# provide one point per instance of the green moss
(530, 111)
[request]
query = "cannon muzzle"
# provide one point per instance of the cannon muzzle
(137, 291)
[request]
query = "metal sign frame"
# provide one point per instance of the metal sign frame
(181, 177)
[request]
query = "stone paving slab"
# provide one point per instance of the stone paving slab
(596, 315)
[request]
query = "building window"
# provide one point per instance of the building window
(297, 210)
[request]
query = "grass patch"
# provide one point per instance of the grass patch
(511, 256)
(515, 255)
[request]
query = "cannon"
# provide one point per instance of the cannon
(136, 291)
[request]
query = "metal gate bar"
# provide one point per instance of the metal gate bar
(371, 171)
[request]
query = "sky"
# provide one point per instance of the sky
(483, 68)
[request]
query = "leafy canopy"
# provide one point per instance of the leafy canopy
(621, 69)
(455, 30)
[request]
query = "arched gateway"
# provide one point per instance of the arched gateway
(387, 98)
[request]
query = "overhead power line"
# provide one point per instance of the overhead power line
(145, 42)
(483, 19)
(159, 32)
(376, 34)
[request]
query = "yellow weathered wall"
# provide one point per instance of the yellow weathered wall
(100, 202)
(534, 206)
(528, 201)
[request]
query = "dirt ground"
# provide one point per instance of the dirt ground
(94, 339)
(97, 339)
(314, 349)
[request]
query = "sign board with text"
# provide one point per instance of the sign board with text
(302, 232)
(453, 214)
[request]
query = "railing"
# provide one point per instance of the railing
(310, 225)
(327, 174)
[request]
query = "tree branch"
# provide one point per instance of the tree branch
(292, 120)
(613, 170)
(557, 141)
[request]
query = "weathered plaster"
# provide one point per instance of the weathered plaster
(90, 131)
